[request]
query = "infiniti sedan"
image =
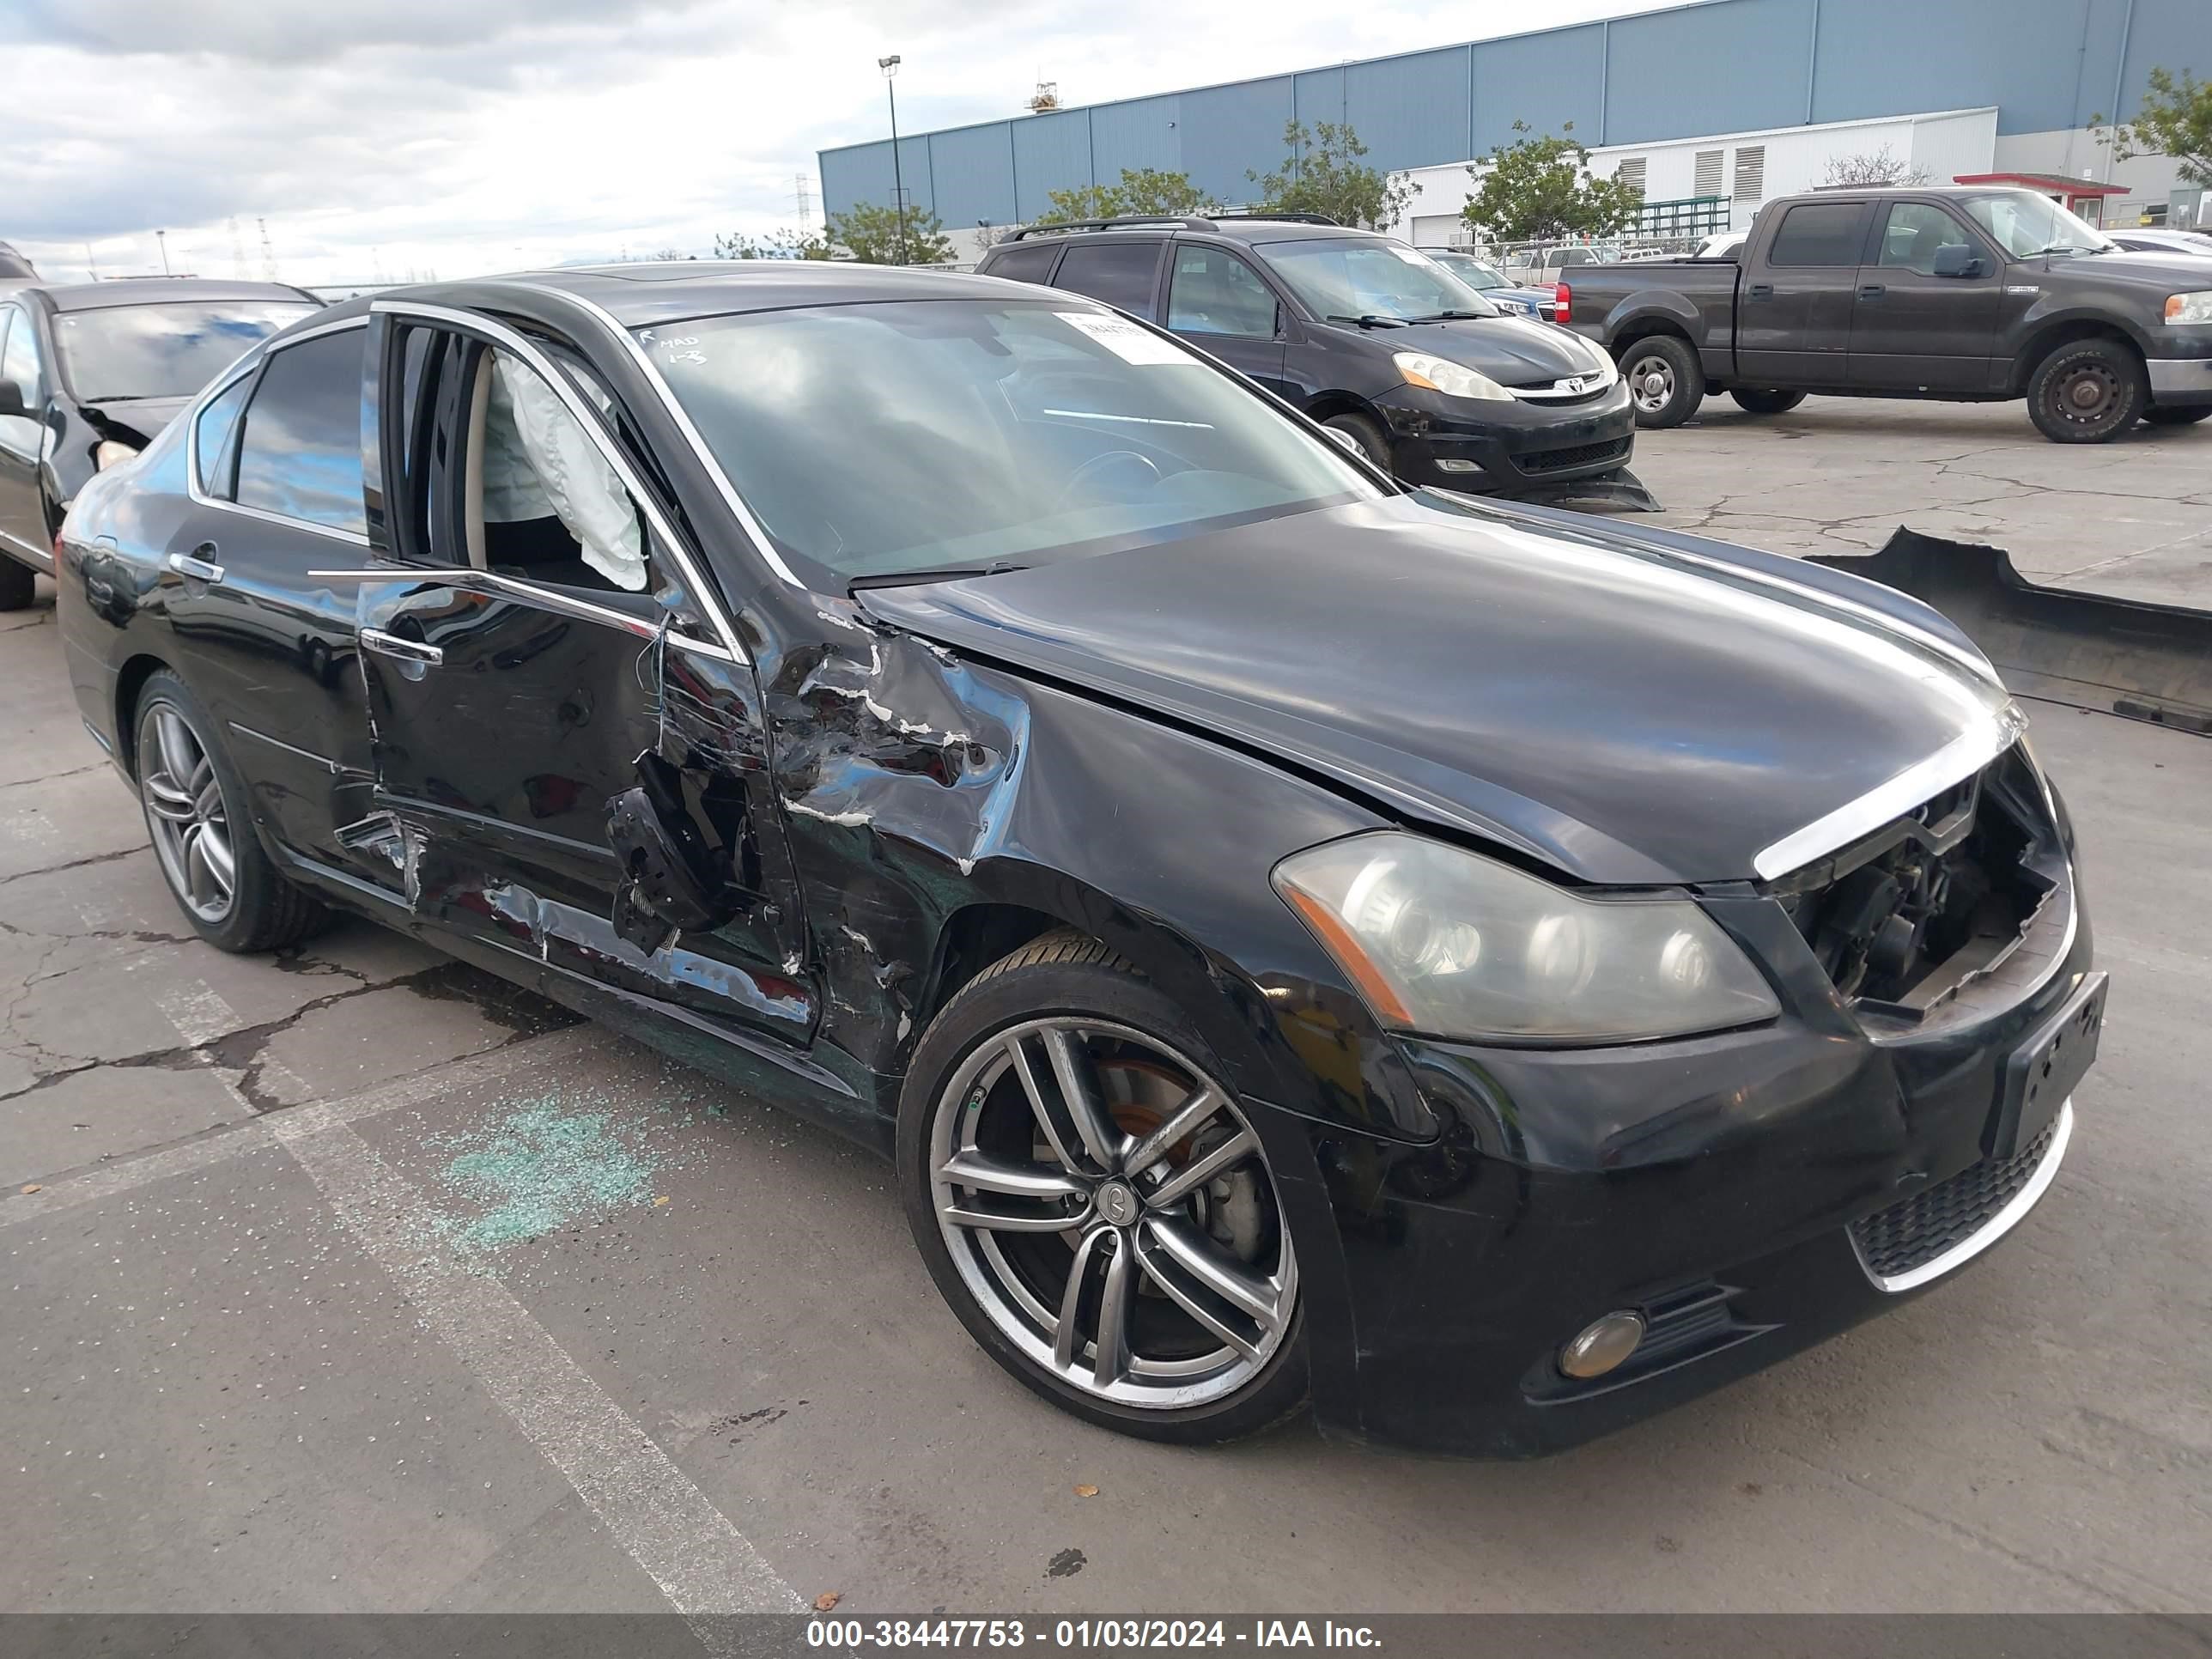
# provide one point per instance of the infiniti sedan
(1306, 942)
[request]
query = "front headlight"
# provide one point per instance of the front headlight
(111, 453)
(1453, 379)
(2190, 307)
(1454, 945)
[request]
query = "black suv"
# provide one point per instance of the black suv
(1361, 331)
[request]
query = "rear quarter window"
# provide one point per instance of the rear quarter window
(1031, 263)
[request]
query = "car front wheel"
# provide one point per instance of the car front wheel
(1095, 1204)
(2176, 414)
(1754, 400)
(1665, 382)
(17, 584)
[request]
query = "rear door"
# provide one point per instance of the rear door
(274, 463)
(569, 755)
(1795, 300)
(1124, 273)
(23, 517)
(1912, 331)
(1219, 301)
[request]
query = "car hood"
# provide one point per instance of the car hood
(1510, 351)
(138, 420)
(1628, 709)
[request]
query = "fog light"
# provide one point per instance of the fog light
(1601, 1345)
(1453, 464)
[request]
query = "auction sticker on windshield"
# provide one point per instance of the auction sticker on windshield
(1124, 338)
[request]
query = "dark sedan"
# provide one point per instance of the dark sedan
(1367, 335)
(1301, 938)
(90, 372)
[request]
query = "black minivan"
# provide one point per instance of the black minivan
(1363, 333)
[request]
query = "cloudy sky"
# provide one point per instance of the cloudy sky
(391, 138)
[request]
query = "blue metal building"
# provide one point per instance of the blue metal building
(1721, 66)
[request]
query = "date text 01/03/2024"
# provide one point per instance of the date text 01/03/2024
(1085, 1634)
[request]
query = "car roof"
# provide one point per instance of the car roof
(644, 293)
(1255, 229)
(161, 290)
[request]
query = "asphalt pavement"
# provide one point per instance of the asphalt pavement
(351, 1279)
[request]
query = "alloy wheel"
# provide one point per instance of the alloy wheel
(186, 813)
(1109, 1208)
(1651, 384)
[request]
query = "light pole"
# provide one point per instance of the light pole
(889, 67)
(163, 238)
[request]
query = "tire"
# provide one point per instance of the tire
(1367, 433)
(1754, 400)
(2176, 414)
(2087, 391)
(1137, 1054)
(18, 583)
(199, 820)
(1666, 381)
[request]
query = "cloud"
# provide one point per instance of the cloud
(458, 136)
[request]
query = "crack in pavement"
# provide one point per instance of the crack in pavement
(55, 777)
(76, 864)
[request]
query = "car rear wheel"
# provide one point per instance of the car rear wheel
(1367, 433)
(2088, 392)
(1665, 382)
(196, 814)
(1759, 401)
(17, 584)
(2177, 415)
(1095, 1204)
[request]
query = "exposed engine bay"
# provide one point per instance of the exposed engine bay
(1906, 917)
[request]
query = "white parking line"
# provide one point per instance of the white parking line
(703, 1564)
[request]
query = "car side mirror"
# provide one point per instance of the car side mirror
(1957, 259)
(11, 399)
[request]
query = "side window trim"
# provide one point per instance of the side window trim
(256, 368)
(498, 335)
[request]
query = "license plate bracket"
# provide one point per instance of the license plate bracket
(2043, 1069)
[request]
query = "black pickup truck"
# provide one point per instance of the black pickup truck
(1963, 294)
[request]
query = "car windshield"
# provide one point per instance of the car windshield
(116, 354)
(2026, 224)
(1471, 270)
(1361, 276)
(876, 441)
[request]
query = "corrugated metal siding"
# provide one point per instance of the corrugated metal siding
(1226, 129)
(1143, 132)
(1410, 112)
(1545, 79)
(1726, 68)
(862, 174)
(1051, 152)
(974, 174)
(1320, 95)
(914, 172)
(1731, 66)
(2020, 55)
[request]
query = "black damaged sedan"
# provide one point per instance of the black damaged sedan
(1483, 973)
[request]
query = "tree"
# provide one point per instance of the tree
(2175, 120)
(785, 244)
(1536, 189)
(1324, 174)
(1875, 166)
(1141, 190)
(872, 235)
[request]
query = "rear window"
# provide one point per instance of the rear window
(114, 354)
(1123, 273)
(1023, 265)
(1819, 234)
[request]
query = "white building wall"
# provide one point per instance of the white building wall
(1944, 144)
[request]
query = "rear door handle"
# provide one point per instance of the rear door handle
(391, 645)
(193, 565)
(1871, 290)
(1762, 290)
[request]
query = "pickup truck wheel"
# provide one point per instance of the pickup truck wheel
(1665, 382)
(2177, 415)
(2088, 392)
(16, 584)
(1756, 401)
